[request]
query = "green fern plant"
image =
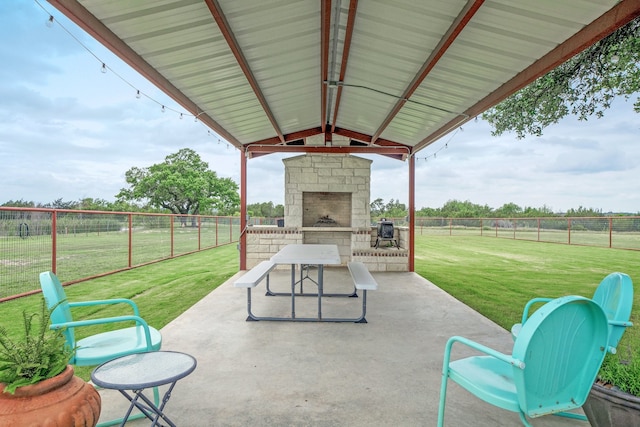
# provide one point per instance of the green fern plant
(39, 354)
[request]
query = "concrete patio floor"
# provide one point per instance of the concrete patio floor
(383, 373)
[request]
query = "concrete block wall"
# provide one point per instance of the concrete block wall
(265, 242)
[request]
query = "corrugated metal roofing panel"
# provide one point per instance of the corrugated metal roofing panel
(279, 47)
(512, 33)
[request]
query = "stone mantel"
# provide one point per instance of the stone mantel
(328, 229)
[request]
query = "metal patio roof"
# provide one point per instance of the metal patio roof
(381, 76)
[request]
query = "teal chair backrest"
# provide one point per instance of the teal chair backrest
(562, 346)
(56, 299)
(615, 296)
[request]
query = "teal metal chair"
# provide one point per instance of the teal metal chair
(102, 347)
(554, 362)
(614, 294)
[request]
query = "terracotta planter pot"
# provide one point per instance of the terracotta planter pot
(611, 408)
(64, 400)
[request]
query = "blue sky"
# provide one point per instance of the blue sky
(69, 131)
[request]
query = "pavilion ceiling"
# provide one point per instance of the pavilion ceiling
(382, 76)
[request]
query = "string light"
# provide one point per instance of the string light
(444, 147)
(103, 69)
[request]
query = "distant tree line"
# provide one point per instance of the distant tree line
(466, 209)
(391, 209)
(265, 210)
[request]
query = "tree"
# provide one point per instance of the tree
(18, 204)
(61, 204)
(508, 210)
(583, 86)
(182, 184)
(584, 212)
(377, 207)
(266, 210)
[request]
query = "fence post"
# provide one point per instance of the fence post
(54, 241)
(538, 229)
(569, 230)
(199, 232)
(171, 220)
(130, 218)
(610, 232)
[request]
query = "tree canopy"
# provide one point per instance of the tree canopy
(182, 184)
(583, 86)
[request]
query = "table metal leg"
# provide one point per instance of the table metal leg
(149, 409)
(320, 288)
(293, 291)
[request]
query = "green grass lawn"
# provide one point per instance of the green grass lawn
(496, 277)
(162, 291)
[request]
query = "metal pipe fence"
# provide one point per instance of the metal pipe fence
(77, 245)
(619, 232)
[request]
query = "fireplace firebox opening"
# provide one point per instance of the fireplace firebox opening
(326, 209)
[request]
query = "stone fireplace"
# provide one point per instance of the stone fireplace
(327, 184)
(327, 201)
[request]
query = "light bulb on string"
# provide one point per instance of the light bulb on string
(138, 94)
(180, 116)
(103, 70)
(49, 22)
(163, 109)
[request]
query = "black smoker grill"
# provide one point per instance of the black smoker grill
(386, 232)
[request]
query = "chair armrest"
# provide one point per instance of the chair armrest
(620, 323)
(113, 301)
(527, 307)
(89, 322)
(483, 349)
